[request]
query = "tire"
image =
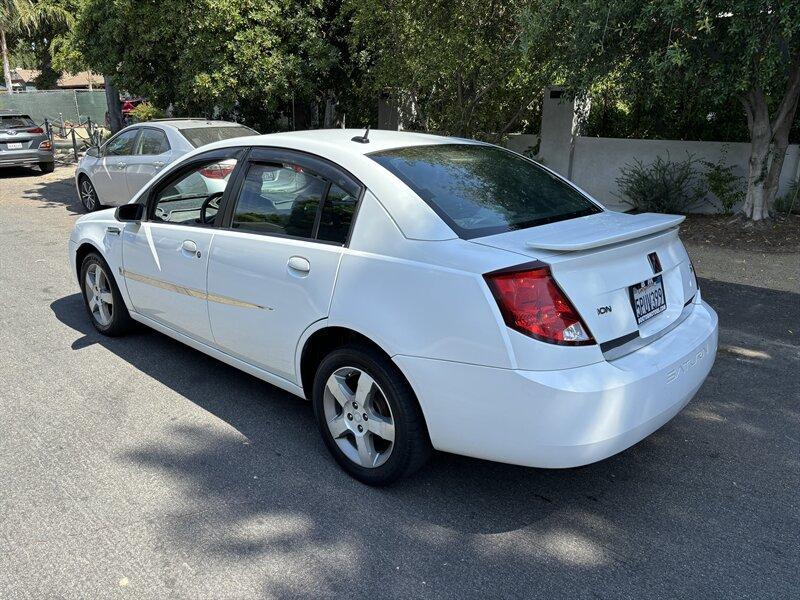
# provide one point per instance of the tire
(47, 167)
(88, 195)
(109, 318)
(387, 398)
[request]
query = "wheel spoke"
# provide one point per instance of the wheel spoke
(381, 427)
(106, 297)
(366, 450)
(104, 314)
(89, 279)
(338, 426)
(364, 387)
(338, 390)
(92, 303)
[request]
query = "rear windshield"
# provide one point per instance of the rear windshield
(12, 121)
(200, 136)
(482, 190)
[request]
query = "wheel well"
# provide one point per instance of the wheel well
(323, 342)
(80, 255)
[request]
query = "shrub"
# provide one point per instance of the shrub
(663, 186)
(727, 186)
(146, 112)
(790, 201)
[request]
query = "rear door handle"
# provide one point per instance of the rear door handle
(113, 230)
(299, 264)
(121, 166)
(158, 164)
(189, 247)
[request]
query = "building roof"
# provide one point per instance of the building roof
(77, 80)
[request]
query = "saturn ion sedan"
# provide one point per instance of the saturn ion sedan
(423, 292)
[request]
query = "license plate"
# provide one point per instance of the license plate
(14, 145)
(648, 299)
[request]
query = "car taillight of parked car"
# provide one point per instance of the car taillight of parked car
(532, 303)
(217, 170)
(35, 130)
(46, 145)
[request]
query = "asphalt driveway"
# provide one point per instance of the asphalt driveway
(137, 467)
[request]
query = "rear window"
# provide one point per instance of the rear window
(12, 121)
(200, 136)
(483, 190)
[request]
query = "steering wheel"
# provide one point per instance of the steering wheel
(206, 204)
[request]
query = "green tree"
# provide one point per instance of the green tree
(247, 59)
(26, 16)
(743, 49)
(452, 67)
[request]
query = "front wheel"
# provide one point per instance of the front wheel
(368, 416)
(102, 298)
(88, 195)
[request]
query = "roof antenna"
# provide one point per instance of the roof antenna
(362, 139)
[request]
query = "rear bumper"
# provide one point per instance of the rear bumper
(567, 418)
(21, 158)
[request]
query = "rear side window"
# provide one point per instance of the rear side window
(279, 200)
(337, 215)
(200, 136)
(483, 190)
(152, 141)
(15, 121)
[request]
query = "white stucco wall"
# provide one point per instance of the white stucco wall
(597, 162)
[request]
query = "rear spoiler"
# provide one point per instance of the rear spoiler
(602, 229)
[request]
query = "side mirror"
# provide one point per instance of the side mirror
(93, 151)
(129, 213)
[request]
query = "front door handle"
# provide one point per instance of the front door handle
(121, 166)
(299, 264)
(190, 248)
(113, 230)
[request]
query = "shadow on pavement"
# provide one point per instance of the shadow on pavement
(680, 510)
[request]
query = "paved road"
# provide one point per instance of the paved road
(137, 467)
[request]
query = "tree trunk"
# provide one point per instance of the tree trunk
(6, 67)
(768, 143)
(114, 106)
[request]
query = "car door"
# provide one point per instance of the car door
(165, 257)
(151, 153)
(108, 174)
(273, 265)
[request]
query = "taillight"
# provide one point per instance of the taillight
(46, 145)
(217, 170)
(35, 130)
(532, 303)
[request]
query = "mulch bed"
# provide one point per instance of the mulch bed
(781, 235)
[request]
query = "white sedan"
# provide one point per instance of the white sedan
(423, 292)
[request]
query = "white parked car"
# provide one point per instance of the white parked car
(112, 174)
(424, 292)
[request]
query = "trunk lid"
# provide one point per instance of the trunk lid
(597, 258)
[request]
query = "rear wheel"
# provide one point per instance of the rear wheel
(47, 167)
(102, 298)
(88, 194)
(368, 416)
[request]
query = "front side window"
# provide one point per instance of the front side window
(482, 190)
(193, 198)
(279, 199)
(122, 145)
(151, 142)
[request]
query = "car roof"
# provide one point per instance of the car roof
(12, 113)
(341, 140)
(191, 123)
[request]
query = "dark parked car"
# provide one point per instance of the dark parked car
(23, 143)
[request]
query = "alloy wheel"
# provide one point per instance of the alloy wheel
(359, 417)
(88, 195)
(98, 295)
